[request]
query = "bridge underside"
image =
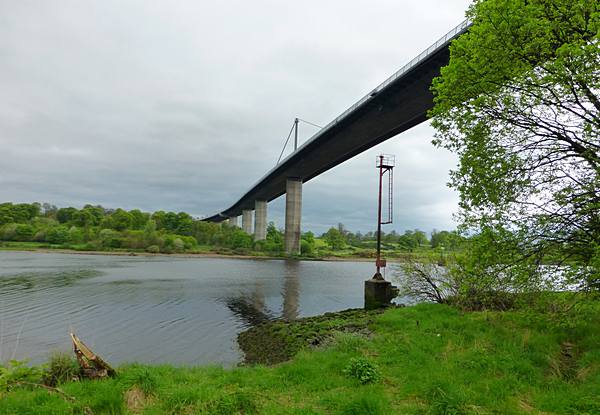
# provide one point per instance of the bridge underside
(399, 106)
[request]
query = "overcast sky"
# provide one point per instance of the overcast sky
(183, 105)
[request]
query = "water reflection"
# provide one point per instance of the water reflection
(159, 309)
(291, 290)
(251, 307)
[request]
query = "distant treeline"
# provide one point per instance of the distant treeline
(98, 228)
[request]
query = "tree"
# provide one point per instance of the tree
(64, 215)
(519, 103)
(334, 238)
(445, 239)
(84, 218)
(138, 219)
(120, 220)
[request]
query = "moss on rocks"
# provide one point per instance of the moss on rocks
(277, 341)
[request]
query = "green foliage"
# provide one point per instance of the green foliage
(61, 368)
(19, 213)
(432, 359)
(363, 369)
(142, 377)
(57, 235)
(65, 215)
(23, 232)
(519, 105)
(120, 220)
(109, 238)
(97, 228)
(153, 249)
(17, 374)
(334, 238)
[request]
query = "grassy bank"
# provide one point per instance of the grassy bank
(207, 251)
(426, 359)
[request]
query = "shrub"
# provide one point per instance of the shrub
(61, 368)
(23, 233)
(75, 235)
(17, 371)
(57, 235)
(363, 369)
(178, 245)
(8, 232)
(153, 249)
(306, 248)
(110, 238)
(427, 281)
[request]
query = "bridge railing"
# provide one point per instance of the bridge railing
(460, 28)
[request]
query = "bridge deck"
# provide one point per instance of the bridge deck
(399, 103)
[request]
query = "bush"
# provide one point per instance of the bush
(363, 369)
(8, 232)
(306, 248)
(153, 249)
(17, 371)
(75, 235)
(23, 233)
(110, 238)
(61, 368)
(427, 281)
(57, 235)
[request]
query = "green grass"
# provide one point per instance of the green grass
(430, 359)
(389, 251)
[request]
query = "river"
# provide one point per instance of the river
(159, 309)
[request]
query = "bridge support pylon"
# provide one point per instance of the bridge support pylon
(233, 221)
(293, 215)
(260, 220)
(247, 220)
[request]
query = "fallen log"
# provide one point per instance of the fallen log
(92, 366)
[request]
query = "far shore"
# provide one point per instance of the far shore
(189, 255)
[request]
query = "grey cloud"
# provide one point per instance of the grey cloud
(183, 106)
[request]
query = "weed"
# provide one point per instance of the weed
(62, 367)
(363, 369)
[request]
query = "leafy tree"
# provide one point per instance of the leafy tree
(84, 218)
(184, 224)
(120, 220)
(19, 213)
(138, 219)
(23, 232)
(519, 103)
(97, 211)
(334, 238)
(110, 238)
(75, 235)
(57, 235)
(64, 215)
(445, 239)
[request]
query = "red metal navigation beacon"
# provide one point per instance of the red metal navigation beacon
(378, 291)
(385, 163)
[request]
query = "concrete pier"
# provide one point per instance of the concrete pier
(233, 221)
(247, 220)
(293, 215)
(260, 220)
(379, 292)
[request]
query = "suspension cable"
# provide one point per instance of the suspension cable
(286, 143)
(310, 123)
(290, 134)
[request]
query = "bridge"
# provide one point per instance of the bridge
(399, 103)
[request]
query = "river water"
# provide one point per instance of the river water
(159, 309)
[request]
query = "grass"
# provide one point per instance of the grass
(429, 359)
(322, 251)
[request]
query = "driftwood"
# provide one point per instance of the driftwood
(92, 366)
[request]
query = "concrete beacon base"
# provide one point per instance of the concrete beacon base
(379, 293)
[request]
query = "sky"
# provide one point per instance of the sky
(182, 106)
